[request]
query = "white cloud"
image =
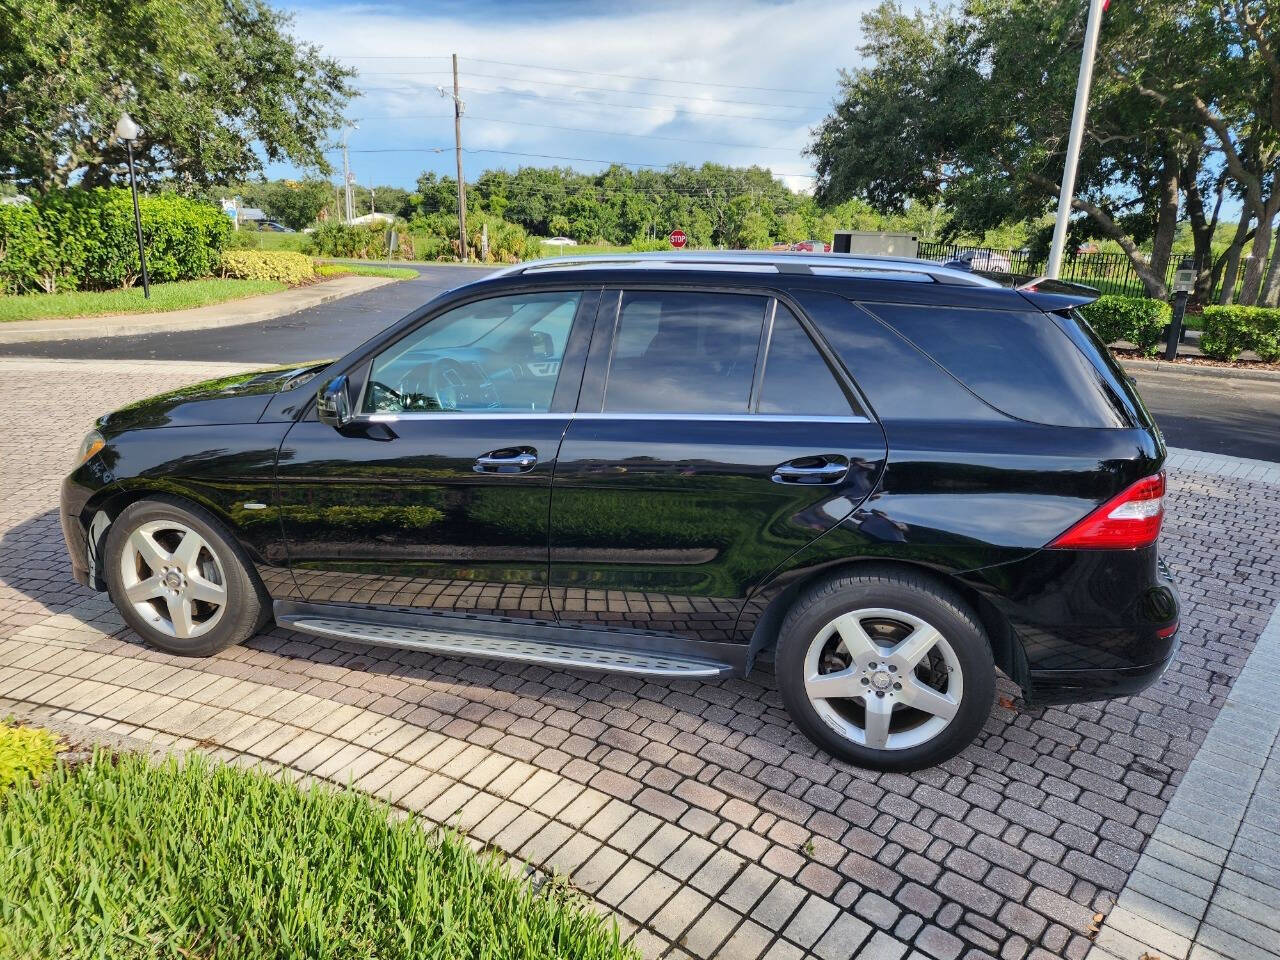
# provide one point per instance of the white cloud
(783, 47)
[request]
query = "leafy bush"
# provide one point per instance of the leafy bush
(282, 265)
(244, 240)
(360, 242)
(126, 858)
(436, 238)
(84, 239)
(26, 754)
(1228, 331)
(1139, 320)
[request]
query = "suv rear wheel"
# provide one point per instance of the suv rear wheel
(180, 580)
(887, 669)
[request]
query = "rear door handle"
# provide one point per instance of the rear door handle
(519, 460)
(812, 470)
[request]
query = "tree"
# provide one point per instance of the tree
(296, 204)
(216, 85)
(973, 108)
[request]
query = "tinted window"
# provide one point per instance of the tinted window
(677, 352)
(797, 379)
(1020, 363)
(500, 355)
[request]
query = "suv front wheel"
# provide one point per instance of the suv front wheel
(887, 669)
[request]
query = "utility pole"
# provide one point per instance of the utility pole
(1085, 80)
(462, 186)
(346, 181)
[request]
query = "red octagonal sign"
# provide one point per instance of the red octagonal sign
(678, 239)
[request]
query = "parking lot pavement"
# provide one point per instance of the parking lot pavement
(694, 810)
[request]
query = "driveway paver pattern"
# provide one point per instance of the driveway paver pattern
(694, 810)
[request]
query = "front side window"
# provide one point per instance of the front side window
(500, 355)
(684, 352)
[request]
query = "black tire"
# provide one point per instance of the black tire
(912, 593)
(247, 605)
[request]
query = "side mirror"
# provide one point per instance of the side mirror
(543, 346)
(333, 402)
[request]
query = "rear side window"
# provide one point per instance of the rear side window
(1019, 362)
(684, 352)
(797, 380)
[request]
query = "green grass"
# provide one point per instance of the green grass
(365, 270)
(164, 296)
(26, 754)
(281, 241)
(126, 859)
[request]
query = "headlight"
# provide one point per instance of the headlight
(93, 442)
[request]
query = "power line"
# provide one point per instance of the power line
(596, 73)
(587, 103)
(598, 132)
(551, 156)
(580, 86)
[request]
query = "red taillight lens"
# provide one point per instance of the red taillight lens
(1129, 519)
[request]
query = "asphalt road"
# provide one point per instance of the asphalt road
(1218, 414)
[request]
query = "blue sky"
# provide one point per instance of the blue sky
(730, 82)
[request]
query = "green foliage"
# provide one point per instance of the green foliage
(219, 87)
(435, 237)
(84, 239)
(359, 241)
(280, 265)
(363, 270)
(1139, 320)
(164, 296)
(1229, 331)
(128, 859)
(27, 754)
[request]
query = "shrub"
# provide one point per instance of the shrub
(84, 239)
(1228, 331)
(1139, 320)
(243, 239)
(282, 265)
(26, 754)
(362, 242)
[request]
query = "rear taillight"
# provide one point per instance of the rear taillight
(1130, 519)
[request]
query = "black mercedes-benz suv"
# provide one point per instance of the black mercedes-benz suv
(892, 477)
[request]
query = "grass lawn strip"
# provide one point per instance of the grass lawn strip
(364, 270)
(125, 858)
(180, 295)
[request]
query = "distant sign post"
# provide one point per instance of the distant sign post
(1184, 283)
(678, 239)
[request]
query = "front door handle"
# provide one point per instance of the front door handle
(517, 460)
(812, 470)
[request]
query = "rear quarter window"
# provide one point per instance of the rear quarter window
(1019, 362)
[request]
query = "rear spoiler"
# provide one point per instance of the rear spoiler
(1048, 294)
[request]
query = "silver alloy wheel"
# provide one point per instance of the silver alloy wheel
(883, 678)
(173, 578)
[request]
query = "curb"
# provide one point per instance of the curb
(1231, 373)
(247, 310)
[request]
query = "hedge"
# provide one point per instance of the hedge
(1228, 331)
(361, 242)
(283, 265)
(84, 240)
(1139, 320)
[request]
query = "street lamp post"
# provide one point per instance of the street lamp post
(128, 131)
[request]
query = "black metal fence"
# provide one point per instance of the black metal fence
(1108, 272)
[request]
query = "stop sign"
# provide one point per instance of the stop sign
(678, 239)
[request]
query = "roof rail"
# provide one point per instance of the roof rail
(884, 267)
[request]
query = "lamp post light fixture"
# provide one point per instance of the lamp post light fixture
(128, 131)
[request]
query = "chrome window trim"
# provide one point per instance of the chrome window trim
(513, 414)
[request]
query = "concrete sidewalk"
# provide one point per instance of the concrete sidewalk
(251, 309)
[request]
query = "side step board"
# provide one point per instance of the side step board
(551, 645)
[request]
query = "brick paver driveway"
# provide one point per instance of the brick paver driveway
(694, 810)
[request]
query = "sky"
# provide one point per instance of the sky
(544, 81)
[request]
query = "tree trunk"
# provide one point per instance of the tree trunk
(1166, 226)
(1271, 285)
(1251, 289)
(1202, 228)
(1231, 265)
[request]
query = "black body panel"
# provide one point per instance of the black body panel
(674, 524)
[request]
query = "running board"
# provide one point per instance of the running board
(551, 645)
